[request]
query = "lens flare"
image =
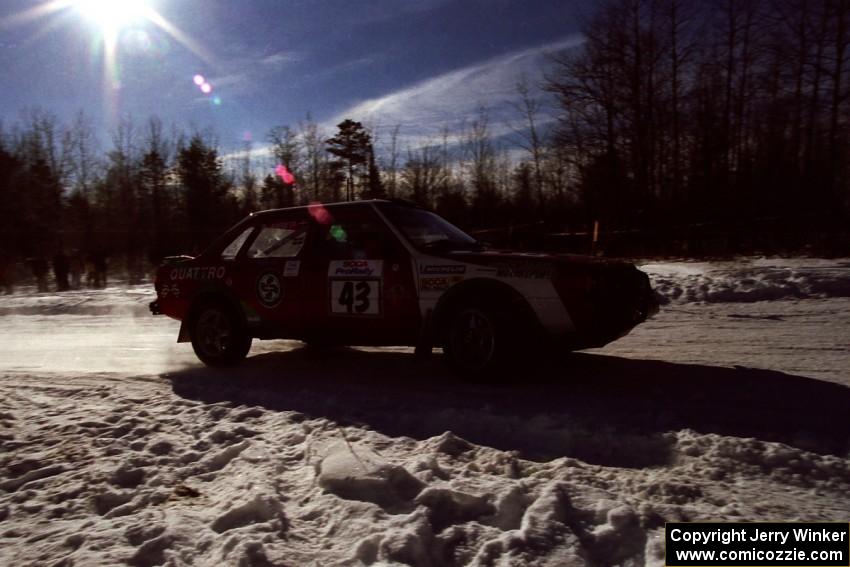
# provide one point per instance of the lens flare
(338, 233)
(206, 88)
(199, 80)
(217, 100)
(319, 213)
(112, 15)
(138, 42)
(284, 174)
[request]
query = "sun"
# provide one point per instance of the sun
(108, 19)
(111, 16)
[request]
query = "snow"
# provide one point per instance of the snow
(359, 473)
(119, 447)
(749, 280)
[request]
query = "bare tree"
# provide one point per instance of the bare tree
(679, 14)
(84, 156)
(391, 168)
(529, 136)
(121, 197)
(423, 175)
(315, 156)
(840, 95)
(480, 164)
(153, 181)
(285, 147)
(247, 178)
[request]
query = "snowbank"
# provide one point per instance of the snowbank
(749, 280)
(111, 470)
(116, 447)
(743, 280)
(113, 300)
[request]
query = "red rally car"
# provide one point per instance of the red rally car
(384, 273)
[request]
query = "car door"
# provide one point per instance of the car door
(270, 284)
(360, 278)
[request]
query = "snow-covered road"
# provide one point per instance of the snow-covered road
(118, 447)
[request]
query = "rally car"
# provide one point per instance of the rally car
(384, 273)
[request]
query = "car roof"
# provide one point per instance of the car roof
(339, 204)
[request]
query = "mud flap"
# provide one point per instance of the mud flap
(183, 336)
(425, 344)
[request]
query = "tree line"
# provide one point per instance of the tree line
(157, 192)
(725, 110)
(672, 114)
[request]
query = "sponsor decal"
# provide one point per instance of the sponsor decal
(438, 283)
(292, 268)
(484, 271)
(445, 269)
(172, 290)
(269, 289)
(528, 270)
(355, 268)
(198, 273)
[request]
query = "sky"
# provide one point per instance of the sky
(420, 64)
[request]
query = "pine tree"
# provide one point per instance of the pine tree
(376, 185)
(200, 173)
(352, 145)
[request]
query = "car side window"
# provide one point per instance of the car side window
(232, 249)
(281, 239)
(355, 234)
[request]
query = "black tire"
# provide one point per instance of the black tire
(219, 336)
(478, 341)
(319, 343)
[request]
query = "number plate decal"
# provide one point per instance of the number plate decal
(356, 297)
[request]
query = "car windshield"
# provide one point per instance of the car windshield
(428, 231)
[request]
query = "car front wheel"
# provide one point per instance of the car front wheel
(218, 336)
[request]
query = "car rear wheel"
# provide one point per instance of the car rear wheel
(218, 335)
(476, 342)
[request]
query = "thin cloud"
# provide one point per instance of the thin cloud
(344, 67)
(448, 100)
(260, 157)
(281, 59)
(371, 13)
(249, 72)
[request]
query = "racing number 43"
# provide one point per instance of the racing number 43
(355, 297)
(358, 303)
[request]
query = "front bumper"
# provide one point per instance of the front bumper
(618, 299)
(648, 305)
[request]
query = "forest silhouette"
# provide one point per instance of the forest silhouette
(679, 128)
